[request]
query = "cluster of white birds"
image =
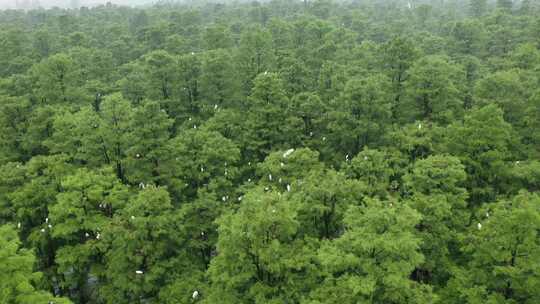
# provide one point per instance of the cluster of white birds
(47, 225)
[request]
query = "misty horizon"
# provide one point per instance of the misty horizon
(35, 4)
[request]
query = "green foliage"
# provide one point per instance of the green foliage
(320, 151)
(433, 90)
(261, 258)
(503, 247)
(18, 279)
(371, 262)
(483, 142)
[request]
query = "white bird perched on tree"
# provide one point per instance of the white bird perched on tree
(215, 107)
(86, 234)
(139, 271)
(195, 295)
(50, 226)
(265, 72)
(223, 198)
(288, 152)
(240, 198)
(43, 230)
(479, 226)
(269, 177)
(46, 220)
(288, 188)
(409, 5)
(487, 214)
(19, 225)
(419, 126)
(132, 217)
(98, 236)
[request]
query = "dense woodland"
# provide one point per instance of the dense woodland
(279, 152)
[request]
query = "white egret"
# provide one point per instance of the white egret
(288, 152)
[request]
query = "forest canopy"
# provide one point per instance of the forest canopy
(305, 152)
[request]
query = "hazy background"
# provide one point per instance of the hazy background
(28, 4)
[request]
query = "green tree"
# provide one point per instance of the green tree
(147, 251)
(217, 37)
(57, 80)
(18, 280)
(255, 55)
(437, 192)
(510, 90)
(483, 142)
(372, 168)
(477, 7)
(373, 260)
(200, 160)
(160, 70)
(361, 115)
(80, 214)
(434, 90)
(147, 147)
(503, 248)
(218, 85)
(397, 57)
(261, 257)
